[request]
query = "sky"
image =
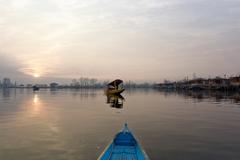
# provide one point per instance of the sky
(139, 40)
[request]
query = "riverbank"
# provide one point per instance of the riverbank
(218, 83)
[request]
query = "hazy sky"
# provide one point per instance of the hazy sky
(129, 39)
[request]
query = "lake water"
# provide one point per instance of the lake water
(79, 124)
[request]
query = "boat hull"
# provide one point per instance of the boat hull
(124, 147)
(109, 91)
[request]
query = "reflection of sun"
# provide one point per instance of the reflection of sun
(35, 99)
(36, 107)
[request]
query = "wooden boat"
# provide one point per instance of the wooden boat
(115, 87)
(35, 88)
(114, 91)
(124, 147)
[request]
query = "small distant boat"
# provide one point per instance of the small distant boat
(124, 147)
(35, 88)
(115, 87)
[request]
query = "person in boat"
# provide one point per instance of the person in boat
(115, 87)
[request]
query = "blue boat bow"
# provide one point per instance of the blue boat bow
(124, 147)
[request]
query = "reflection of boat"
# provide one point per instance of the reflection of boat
(124, 147)
(35, 88)
(115, 87)
(115, 100)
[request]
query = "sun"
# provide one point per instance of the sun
(36, 75)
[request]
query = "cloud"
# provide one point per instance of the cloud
(8, 66)
(136, 39)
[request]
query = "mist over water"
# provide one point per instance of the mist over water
(79, 124)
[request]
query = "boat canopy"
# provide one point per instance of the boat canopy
(115, 82)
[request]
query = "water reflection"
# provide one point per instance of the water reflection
(6, 92)
(66, 124)
(214, 96)
(36, 105)
(35, 99)
(83, 93)
(115, 101)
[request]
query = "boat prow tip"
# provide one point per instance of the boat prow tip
(125, 128)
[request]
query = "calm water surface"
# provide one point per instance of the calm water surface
(78, 124)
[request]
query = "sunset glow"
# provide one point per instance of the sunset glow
(148, 40)
(36, 75)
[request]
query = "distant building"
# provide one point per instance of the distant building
(197, 84)
(6, 83)
(218, 83)
(166, 85)
(29, 85)
(235, 81)
(198, 81)
(15, 84)
(42, 85)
